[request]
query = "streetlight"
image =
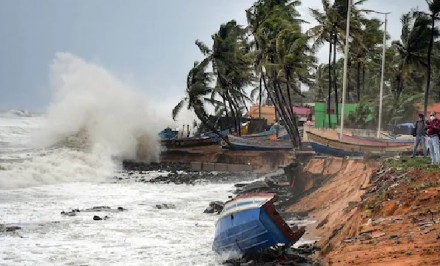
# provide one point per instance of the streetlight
(383, 71)
(344, 82)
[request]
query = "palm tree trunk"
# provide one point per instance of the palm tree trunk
(358, 83)
(237, 114)
(329, 83)
(335, 80)
(363, 79)
(288, 95)
(202, 116)
(259, 99)
(224, 104)
(232, 109)
(428, 75)
(279, 110)
(293, 117)
(289, 118)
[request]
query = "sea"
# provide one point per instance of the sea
(69, 157)
(36, 185)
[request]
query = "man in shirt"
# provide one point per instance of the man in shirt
(419, 134)
(432, 130)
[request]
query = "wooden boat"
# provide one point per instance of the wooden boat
(168, 133)
(187, 142)
(323, 149)
(351, 147)
(256, 144)
(249, 224)
(209, 138)
(406, 141)
(375, 141)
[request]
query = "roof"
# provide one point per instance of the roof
(435, 107)
(270, 110)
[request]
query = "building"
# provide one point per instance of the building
(321, 114)
(268, 113)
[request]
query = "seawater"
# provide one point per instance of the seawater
(141, 235)
(67, 158)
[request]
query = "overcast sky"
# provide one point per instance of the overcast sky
(149, 43)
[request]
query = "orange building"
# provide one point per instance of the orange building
(267, 112)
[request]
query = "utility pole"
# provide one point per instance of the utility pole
(344, 82)
(382, 75)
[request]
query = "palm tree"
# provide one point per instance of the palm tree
(231, 63)
(331, 29)
(412, 47)
(434, 9)
(275, 27)
(197, 93)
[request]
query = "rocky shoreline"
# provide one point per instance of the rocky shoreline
(277, 182)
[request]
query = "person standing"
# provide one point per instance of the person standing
(419, 134)
(433, 129)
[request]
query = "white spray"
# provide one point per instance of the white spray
(94, 121)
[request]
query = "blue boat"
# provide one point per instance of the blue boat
(322, 149)
(249, 224)
(243, 144)
(168, 133)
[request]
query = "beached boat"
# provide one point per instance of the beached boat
(323, 149)
(393, 140)
(256, 144)
(376, 141)
(168, 133)
(197, 140)
(359, 148)
(249, 224)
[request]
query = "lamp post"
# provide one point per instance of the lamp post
(344, 82)
(383, 72)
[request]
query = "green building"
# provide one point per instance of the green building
(321, 116)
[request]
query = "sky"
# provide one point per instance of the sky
(146, 43)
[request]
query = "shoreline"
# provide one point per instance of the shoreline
(345, 197)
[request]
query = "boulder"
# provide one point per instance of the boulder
(215, 207)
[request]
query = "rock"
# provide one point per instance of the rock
(215, 206)
(165, 206)
(394, 237)
(365, 236)
(378, 235)
(71, 213)
(97, 218)
(11, 228)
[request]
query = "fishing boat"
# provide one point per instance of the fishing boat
(168, 133)
(323, 149)
(336, 147)
(239, 143)
(203, 139)
(249, 224)
(376, 141)
(393, 140)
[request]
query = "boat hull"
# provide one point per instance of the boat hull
(257, 144)
(250, 224)
(321, 149)
(376, 142)
(356, 148)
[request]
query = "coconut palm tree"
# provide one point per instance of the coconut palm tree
(231, 63)
(411, 48)
(275, 26)
(434, 15)
(197, 94)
